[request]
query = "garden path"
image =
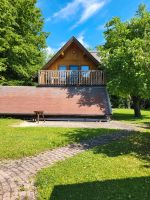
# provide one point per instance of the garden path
(17, 176)
(81, 124)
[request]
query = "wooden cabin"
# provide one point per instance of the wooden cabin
(72, 65)
(72, 83)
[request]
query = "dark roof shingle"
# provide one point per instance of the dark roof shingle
(54, 100)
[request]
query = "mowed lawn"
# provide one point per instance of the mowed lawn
(116, 171)
(127, 115)
(21, 142)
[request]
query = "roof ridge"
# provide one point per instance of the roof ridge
(68, 43)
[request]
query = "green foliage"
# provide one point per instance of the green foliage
(126, 55)
(21, 40)
(120, 102)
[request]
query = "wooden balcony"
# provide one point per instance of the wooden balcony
(69, 77)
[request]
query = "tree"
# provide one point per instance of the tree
(21, 40)
(126, 57)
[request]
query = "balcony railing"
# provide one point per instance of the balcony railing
(69, 77)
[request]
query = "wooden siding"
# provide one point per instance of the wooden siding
(73, 55)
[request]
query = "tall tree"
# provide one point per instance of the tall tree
(21, 40)
(126, 57)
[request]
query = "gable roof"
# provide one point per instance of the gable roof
(95, 55)
(72, 40)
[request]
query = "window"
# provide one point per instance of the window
(74, 67)
(85, 68)
(74, 74)
(62, 67)
(62, 75)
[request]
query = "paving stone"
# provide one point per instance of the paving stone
(17, 176)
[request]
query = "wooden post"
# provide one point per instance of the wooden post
(37, 115)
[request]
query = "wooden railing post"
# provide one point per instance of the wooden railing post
(68, 77)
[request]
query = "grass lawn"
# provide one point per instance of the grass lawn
(116, 171)
(128, 116)
(21, 142)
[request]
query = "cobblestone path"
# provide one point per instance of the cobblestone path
(17, 176)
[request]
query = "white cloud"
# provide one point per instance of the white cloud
(81, 39)
(89, 8)
(68, 10)
(61, 44)
(49, 50)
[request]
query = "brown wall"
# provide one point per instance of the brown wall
(72, 56)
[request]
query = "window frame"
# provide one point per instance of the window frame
(85, 66)
(62, 66)
(78, 67)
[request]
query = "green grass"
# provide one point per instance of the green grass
(119, 170)
(127, 115)
(116, 171)
(21, 142)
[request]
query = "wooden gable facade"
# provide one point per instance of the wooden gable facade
(73, 53)
(73, 64)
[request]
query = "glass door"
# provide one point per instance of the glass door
(74, 67)
(62, 74)
(74, 74)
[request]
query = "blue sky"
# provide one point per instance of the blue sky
(83, 19)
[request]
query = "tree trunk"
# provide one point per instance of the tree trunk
(128, 102)
(136, 106)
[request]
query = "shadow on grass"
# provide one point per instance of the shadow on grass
(133, 142)
(81, 134)
(120, 189)
(127, 116)
(138, 144)
(147, 124)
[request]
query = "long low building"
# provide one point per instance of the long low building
(65, 101)
(71, 83)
